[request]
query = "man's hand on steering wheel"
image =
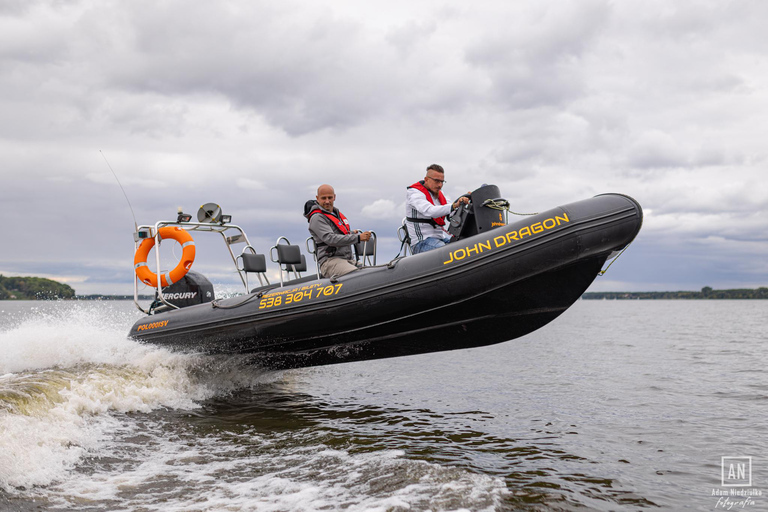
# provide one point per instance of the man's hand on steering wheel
(462, 200)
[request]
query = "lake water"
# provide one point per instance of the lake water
(616, 405)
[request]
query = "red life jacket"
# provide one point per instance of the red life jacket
(419, 185)
(340, 222)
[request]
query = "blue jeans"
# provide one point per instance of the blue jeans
(428, 244)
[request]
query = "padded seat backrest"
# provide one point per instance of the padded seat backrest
(254, 262)
(298, 267)
(289, 254)
(370, 248)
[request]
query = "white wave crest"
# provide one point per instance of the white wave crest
(68, 375)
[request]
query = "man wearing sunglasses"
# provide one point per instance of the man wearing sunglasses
(426, 211)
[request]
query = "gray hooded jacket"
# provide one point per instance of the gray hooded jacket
(330, 241)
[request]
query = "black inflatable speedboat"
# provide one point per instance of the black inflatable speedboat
(497, 282)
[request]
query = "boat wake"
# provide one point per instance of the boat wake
(91, 419)
(67, 376)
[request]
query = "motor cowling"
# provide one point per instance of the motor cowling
(193, 288)
(475, 218)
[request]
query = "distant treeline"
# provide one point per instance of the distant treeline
(39, 288)
(705, 293)
(33, 288)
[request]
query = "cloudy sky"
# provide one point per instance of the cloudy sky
(252, 104)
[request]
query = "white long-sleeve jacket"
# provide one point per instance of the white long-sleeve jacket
(417, 206)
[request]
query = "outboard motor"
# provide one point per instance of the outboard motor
(193, 288)
(475, 218)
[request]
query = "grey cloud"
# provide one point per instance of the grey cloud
(409, 36)
(154, 117)
(657, 149)
(302, 73)
(683, 265)
(551, 101)
(18, 7)
(535, 61)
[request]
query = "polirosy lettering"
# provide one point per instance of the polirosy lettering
(511, 237)
(153, 325)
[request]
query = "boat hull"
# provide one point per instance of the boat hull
(486, 289)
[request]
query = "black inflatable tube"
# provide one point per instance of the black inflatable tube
(489, 288)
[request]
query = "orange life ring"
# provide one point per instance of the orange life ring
(187, 257)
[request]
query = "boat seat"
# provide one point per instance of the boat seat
(405, 239)
(300, 267)
(312, 249)
(288, 254)
(366, 251)
(253, 263)
(288, 257)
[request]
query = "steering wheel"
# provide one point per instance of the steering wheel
(457, 216)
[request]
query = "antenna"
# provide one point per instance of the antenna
(136, 224)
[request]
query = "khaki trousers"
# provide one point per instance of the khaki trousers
(335, 266)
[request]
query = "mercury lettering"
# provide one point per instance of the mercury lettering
(179, 295)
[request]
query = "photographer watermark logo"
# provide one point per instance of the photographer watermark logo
(736, 471)
(736, 491)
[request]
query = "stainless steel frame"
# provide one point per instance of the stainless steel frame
(238, 237)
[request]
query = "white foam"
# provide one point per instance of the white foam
(72, 385)
(207, 477)
(64, 337)
(65, 376)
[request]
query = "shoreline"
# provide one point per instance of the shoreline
(706, 293)
(745, 294)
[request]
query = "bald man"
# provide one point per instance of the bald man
(332, 234)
